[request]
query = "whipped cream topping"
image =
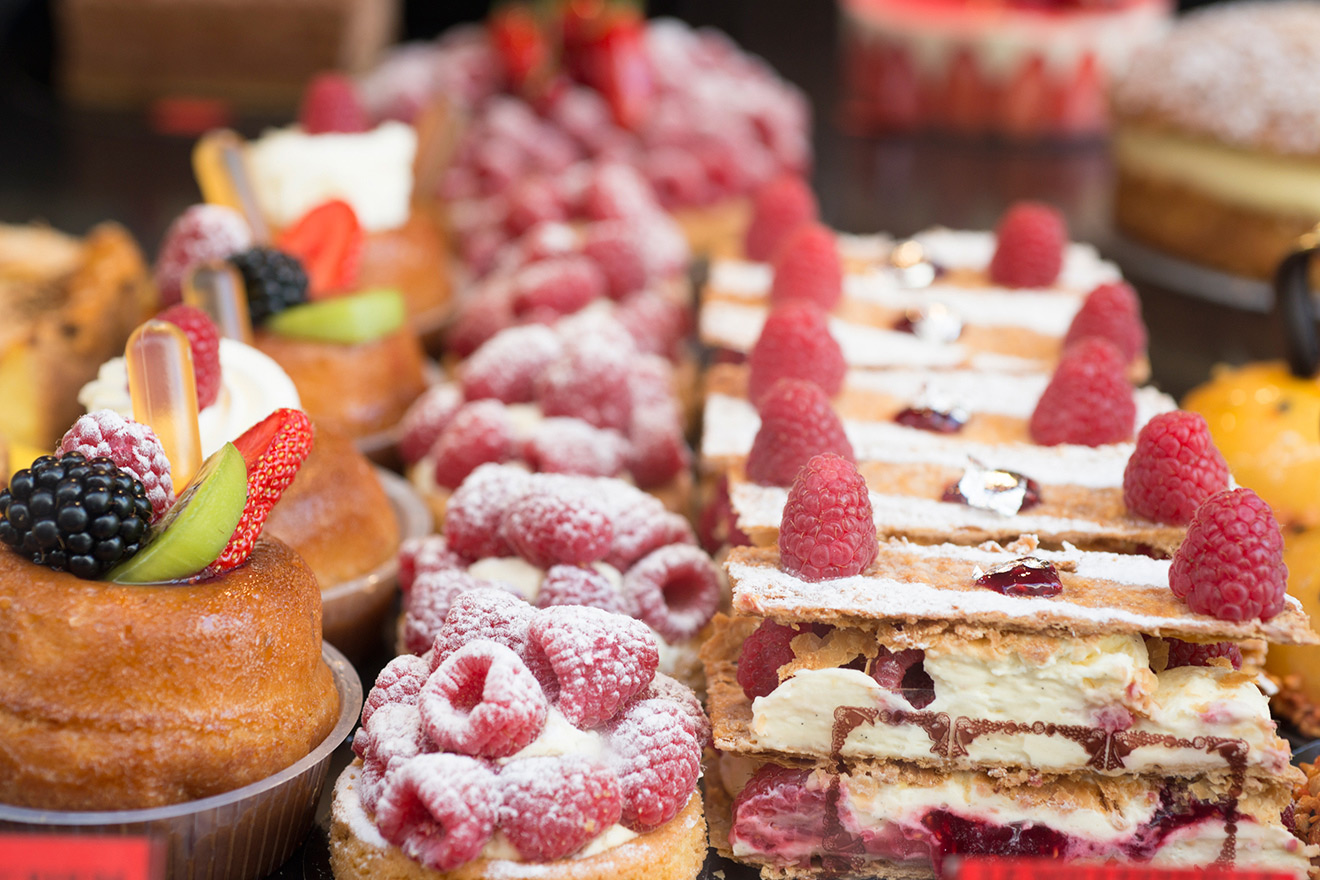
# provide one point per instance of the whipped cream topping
(252, 386)
(294, 172)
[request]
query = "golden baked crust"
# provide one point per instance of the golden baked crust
(674, 851)
(719, 230)
(352, 389)
(66, 306)
(121, 697)
(1086, 605)
(411, 259)
(335, 514)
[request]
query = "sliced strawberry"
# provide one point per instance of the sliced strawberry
(605, 48)
(521, 45)
(328, 240)
(273, 450)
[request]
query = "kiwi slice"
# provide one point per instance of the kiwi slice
(358, 317)
(197, 528)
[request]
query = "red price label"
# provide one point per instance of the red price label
(58, 857)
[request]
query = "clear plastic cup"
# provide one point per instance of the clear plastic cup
(239, 835)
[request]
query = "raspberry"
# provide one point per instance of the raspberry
(763, 652)
(439, 809)
(808, 267)
(553, 806)
(488, 311)
(657, 323)
(391, 738)
(426, 419)
(331, 105)
(480, 432)
(571, 446)
(795, 343)
(617, 192)
(1230, 565)
(662, 687)
(797, 422)
(551, 530)
(642, 527)
(399, 682)
(273, 450)
(428, 602)
(488, 613)
(482, 701)
(676, 590)
(778, 209)
(561, 285)
(780, 813)
(422, 555)
(827, 530)
(1199, 654)
(1111, 311)
(658, 452)
(545, 241)
(572, 585)
(131, 445)
(599, 660)
(200, 234)
(1174, 467)
(532, 201)
(616, 251)
(659, 759)
(1088, 400)
(474, 512)
(589, 383)
(678, 178)
(904, 673)
(651, 379)
(505, 367)
(1029, 243)
(204, 340)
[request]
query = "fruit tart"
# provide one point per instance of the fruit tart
(524, 743)
(112, 587)
(554, 539)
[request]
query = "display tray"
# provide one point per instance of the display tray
(1144, 264)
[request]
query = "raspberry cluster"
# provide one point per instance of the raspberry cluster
(600, 543)
(499, 674)
(608, 405)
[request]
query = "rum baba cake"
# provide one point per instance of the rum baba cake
(1010, 700)
(1216, 143)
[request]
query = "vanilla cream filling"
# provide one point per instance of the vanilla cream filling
(1082, 682)
(1276, 184)
(293, 172)
(252, 386)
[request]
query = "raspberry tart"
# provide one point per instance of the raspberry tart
(557, 539)
(1173, 761)
(524, 743)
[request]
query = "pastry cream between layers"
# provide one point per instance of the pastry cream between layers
(674, 851)
(124, 697)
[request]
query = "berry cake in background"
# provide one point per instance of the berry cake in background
(1216, 141)
(555, 539)
(881, 706)
(1007, 68)
(525, 743)
(546, 92)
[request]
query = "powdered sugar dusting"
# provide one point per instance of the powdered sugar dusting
(132, 446)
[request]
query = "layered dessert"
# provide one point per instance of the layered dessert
(525, 742)
(69, 304)
(883, 706)
(1215, 144)
(117, 573)
(554, 539)
(1018, 70)
(548, 96)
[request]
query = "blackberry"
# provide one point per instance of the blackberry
(75, 515)
(274, 281)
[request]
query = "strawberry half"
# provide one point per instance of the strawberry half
(273, 450)
(328, 240)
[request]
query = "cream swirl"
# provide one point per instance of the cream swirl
(252, 386)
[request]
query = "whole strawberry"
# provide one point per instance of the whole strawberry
(828, 530)
(1088, 400)
(808, 267)
(1029, 243)
(797, 422)
(1230, 565)
(204, 340)
(795, 343)
(1174, 468)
